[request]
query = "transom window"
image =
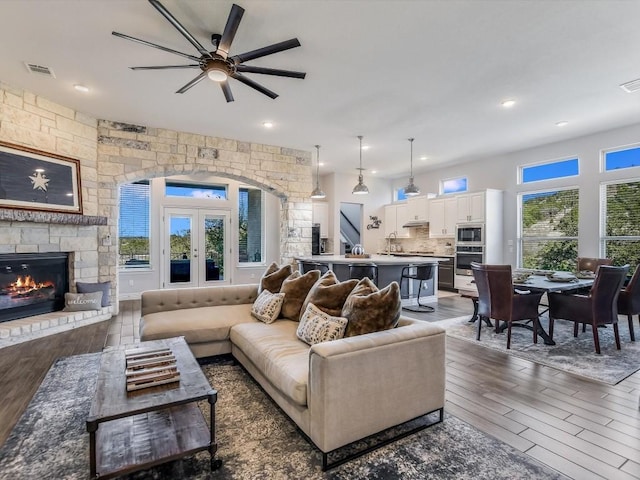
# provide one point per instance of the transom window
(178, 189)
(454, 185)
(549, 229)
(619, 159)
(549, 170)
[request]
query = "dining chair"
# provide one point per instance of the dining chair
(598, 307)
(591, 264)
(497, 299)
(629, 301)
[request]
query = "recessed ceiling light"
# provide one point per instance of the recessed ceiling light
(321, 164)
(424, 157)
(563, 123)
(267, 124)
(365, 147)
(508, 103)
(81, 88)
(373, 172)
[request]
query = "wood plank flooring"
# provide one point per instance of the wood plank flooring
(583, 429)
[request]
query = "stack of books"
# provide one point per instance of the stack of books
(150, 368)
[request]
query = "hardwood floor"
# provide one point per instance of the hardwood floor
(583, 429)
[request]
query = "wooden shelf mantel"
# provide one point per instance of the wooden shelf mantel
(36, 216)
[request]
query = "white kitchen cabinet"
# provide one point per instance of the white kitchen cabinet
(443, 216)
(471, 207)
(418, 209)
(321, 215)
(395, 216)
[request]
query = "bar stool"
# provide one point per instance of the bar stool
(308, 266)
(421, 273)
(361, 270)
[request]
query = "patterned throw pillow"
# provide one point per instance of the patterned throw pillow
(267, 306)
(78, 302)
(371, 310)
(273, 277)
(317, 326)
(296, 287)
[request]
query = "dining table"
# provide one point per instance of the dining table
(548, 282)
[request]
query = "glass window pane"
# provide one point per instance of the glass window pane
(180, 245)
(214, 248)
(133, 225)
(250, 243)
(622, 252)
(622, 159)
(176, 189)
(548, 171)
(550, 254)
(400, 195)
(622, 209)
(454, 185)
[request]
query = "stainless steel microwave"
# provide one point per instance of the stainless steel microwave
(470, 234)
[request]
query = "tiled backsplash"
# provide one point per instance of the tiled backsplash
(420, 242)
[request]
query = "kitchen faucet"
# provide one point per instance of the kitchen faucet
(389, 242)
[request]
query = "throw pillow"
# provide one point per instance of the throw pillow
(78, 302)
(104, 287)
(267, 306)
(317, 326)
(296, 287)
(370, 310)
(273, 277)
(328, 294)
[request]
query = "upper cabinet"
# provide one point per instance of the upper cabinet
(443, 215)
(418, 209)
(395, 216)
(471, 207)
(321, 216)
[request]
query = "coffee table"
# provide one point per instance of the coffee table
(130, 431)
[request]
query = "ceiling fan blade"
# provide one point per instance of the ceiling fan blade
(166, 14)
(230, 30)
(254, 85)
(268, 50)
(226, 89)
(164, 67)
(270, 71)
(160, 47)
(198, 79)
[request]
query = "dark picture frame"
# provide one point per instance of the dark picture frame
(35, 180)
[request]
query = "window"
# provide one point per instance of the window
(400, 195)
(454, 185)
(134, 225)
(250, 244)
(621, 222)
(549, 229)
(549, 170)
(627, 158)
(177, 189)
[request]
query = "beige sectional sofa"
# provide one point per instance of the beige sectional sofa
(337, 392)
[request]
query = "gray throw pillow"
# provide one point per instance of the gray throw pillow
(78, 302)
(104, 287)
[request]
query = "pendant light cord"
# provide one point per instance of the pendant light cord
(317, 165)
(411, 143)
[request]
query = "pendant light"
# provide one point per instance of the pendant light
(411, 190)
(360, 188)
(317, 192)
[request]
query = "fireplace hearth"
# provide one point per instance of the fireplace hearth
(32, 284)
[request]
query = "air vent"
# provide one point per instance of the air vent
(40, 69)
(632, 86)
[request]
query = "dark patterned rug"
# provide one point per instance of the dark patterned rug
(571, 354)
(256, 440)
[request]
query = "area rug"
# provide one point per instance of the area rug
(256, 440)
(574, 355)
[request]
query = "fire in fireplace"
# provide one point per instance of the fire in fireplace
(32, 284)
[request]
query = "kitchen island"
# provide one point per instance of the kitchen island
(389, 270)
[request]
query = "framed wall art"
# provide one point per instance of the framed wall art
(36, 180)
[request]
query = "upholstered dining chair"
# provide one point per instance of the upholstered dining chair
(598, 307)
(591, 264)
(629, 301)
(498, 300)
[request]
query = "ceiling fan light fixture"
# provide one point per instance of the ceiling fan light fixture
(411, 190)
(217, 75)
(317, 192)
(360, 188)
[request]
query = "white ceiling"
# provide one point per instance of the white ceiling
(387, 70)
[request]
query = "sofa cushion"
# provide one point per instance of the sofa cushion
(278, 354)
(328, 294)
(273, 277)
(267, 306)
(197, 325)
(371, 310)
(295, 289)
(317, 326)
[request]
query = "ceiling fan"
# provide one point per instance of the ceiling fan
(217, 64)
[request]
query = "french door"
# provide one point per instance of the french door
(196, 247)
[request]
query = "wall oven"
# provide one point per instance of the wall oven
(465, 254)
(470, 234)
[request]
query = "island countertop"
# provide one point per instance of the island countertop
(377, 259)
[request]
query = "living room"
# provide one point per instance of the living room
(117, 150)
